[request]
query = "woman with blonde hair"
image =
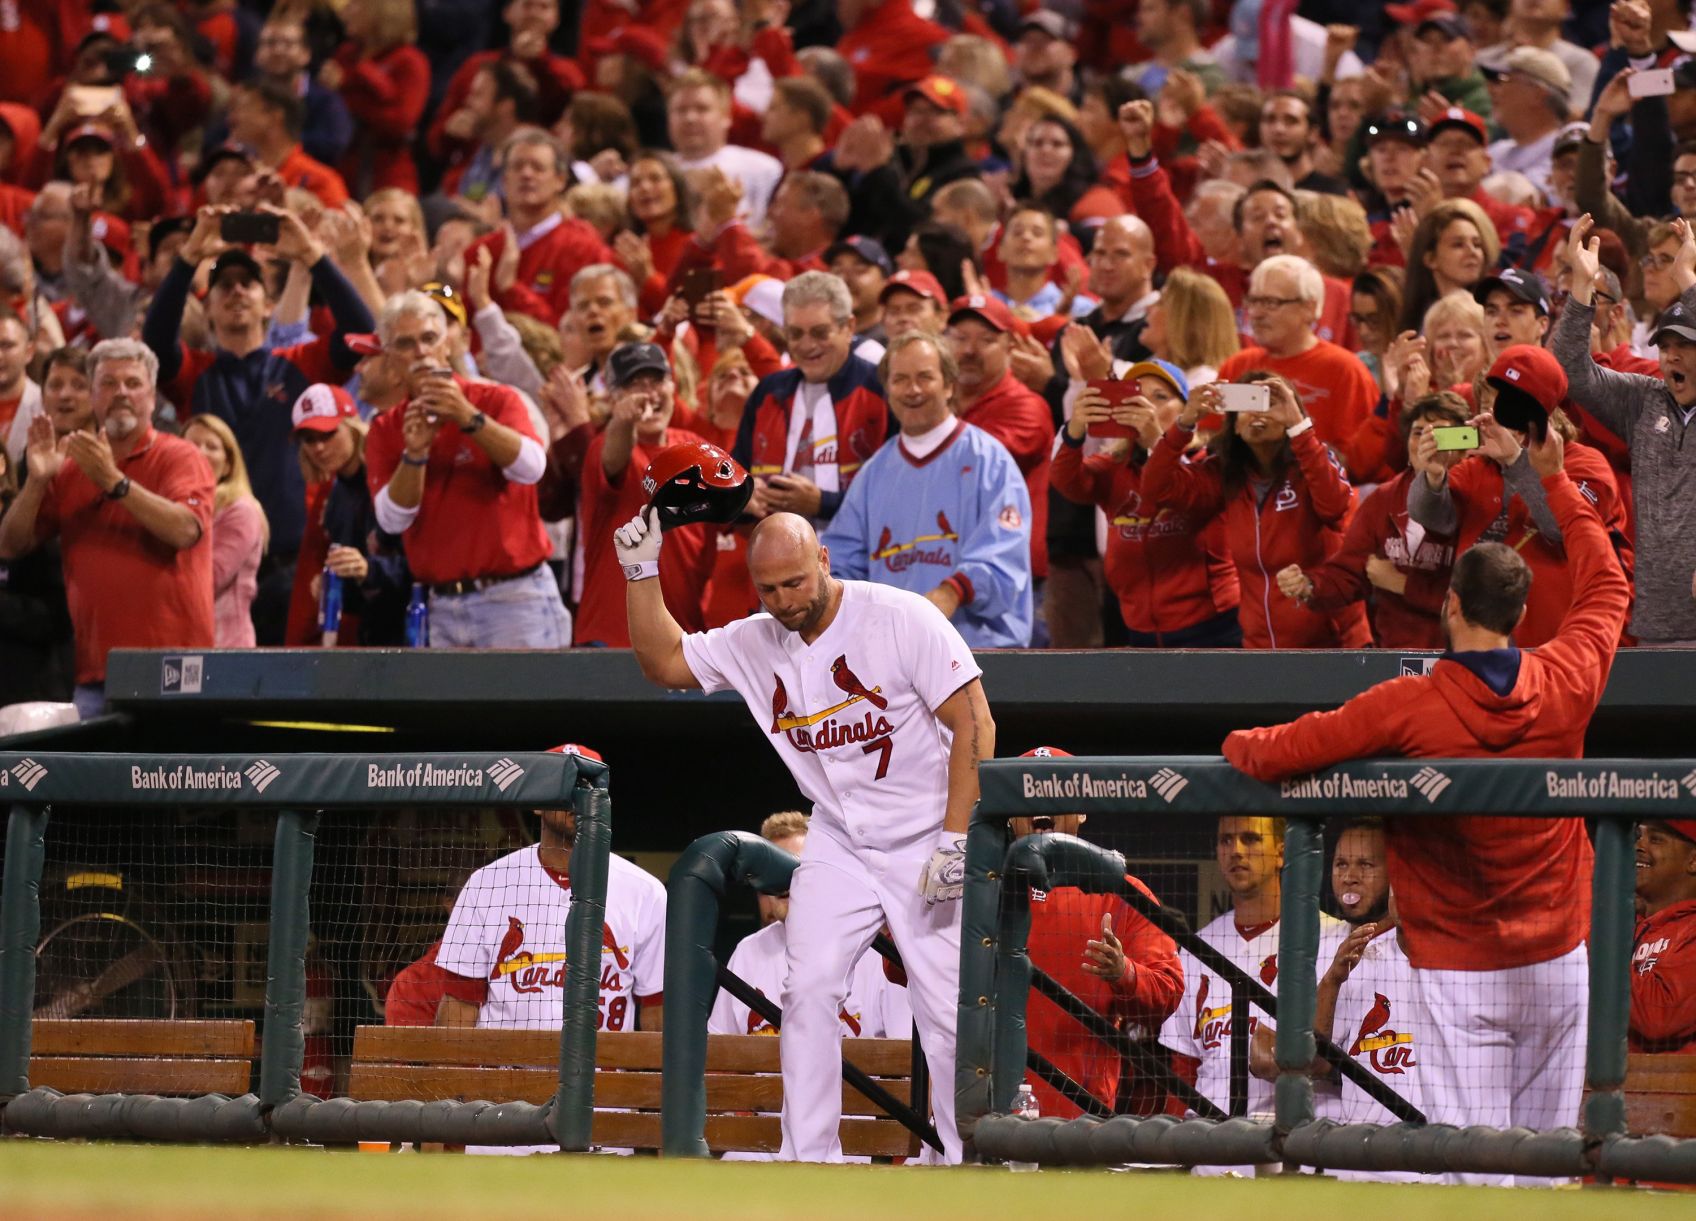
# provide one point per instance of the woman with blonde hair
(973, 59)
(385, 81)
(1452, 248)
(240, 532)
(1192, 325)
(1335, 230)
(400, 240)
(1454, 337)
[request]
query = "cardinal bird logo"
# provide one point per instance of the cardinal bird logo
(779, 705)
(942, 525)
(609, 942)
(1269, 970)
(1390, 1051)
(509, 946)
(883, 547)
(845, 680)
(1201, 1004)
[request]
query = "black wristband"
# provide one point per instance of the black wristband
(474, 424)
(120, 489)
(409, 460)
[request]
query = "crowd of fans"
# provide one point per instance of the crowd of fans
(408, 294)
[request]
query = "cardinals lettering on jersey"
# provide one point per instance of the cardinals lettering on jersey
(1389, 1051)
(821, 730)
(1213, 1026)
(898, 556)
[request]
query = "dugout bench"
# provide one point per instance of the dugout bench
(101, 1056)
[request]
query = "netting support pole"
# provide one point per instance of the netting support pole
(1611, 931)
(1298, 951)
(20, 930)
(574, 1104)
(285, 969)
(974, 1044)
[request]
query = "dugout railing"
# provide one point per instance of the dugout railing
(297, 788)
(996, 978)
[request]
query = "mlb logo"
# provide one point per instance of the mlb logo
(181, 675)
(1513, 375)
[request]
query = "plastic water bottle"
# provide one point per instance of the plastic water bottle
(1024, 1106)
(418, 620)
(329, 607)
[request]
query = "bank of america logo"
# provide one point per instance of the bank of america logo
(261, 773)
(29, 773)
(1430, 782)
(1168, 783)
(1689, 783)
(504, 772)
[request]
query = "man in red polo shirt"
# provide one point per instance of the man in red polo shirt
(453, 466)
(133, 509)
(643, 399)
(980, 334)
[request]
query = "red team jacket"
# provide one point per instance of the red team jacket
(862, 421)
(1477, 487)
(1019, 418)
(1300, 522)
(1480, 893)
(1062, 920)
(545, 267)
(1663, 981)
(1169, 570)
(1407, 620)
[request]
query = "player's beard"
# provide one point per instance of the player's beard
(815, 609)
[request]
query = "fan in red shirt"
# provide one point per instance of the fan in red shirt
(385, 81)
(268, 119)
(643, 399)
(552, 247)
(453, 466)
(1176, 584)
(1480, 897)
(1104, 953)
(1283, 499)
(1401, 564)
(1663, 965)
(530, 24)
(889, 47)
(980, 334)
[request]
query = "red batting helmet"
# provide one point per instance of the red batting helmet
(695, 482)
(1047, 752)
(582, 752)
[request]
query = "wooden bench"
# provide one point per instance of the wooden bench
(744, 1092)
(1660, 1095)
(100, 1056)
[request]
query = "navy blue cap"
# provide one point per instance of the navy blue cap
(630, 359)
(869, 249)
(1527, 286)
(1676, 320)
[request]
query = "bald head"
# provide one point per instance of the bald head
(791, 573)
(1122, 262)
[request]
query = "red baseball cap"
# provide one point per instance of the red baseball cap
(1417, 11)
(1533, 370)
(365, 343)
(943, 92)
(989, 310)
(573, 748)
(1463, 119)
(322, 408)
(919, 283)
(1682, 826)
(90, 131)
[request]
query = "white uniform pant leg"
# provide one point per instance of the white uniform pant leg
(1553, 1000)
(929, 940)
(834, 912)
(1467, 1072)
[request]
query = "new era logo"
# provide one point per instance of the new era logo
(260, 773)
(1168, 783)
(504, 772)
(1689, 783)
(29, 773)
(1430, 782)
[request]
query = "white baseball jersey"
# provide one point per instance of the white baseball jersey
(851, 714)
(1378, 1022)
(1201, 1025)
(874, 1008)
(508, 928)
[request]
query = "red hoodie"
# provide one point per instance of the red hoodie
(1166, 566)
(1062, 921)
(1663, 981)
(1478, 490)
(386, 93)
(1482, 893)
(1381, 527)
(546, 265)
(1019, 418)
(1300, 521)
(889, 50)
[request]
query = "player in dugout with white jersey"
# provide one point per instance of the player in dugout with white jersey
(873, 701)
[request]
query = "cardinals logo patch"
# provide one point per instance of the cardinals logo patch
(1390, 1051)
(898, 556)
(822, 730)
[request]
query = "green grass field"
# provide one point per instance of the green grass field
(73, 1182)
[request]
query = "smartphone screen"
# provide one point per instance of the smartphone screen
(1450, 438)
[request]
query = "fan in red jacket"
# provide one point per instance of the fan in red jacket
(385, 81)
(1104, 953)
(1176, 584)
(1494, 910)
(1494, 495)
(1663, 965)
(530, 24)
(889, 47)
(552, 247)
(1283, 498)
(1384, 550)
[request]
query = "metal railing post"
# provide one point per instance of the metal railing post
(285, 972)
(20, 929)
(1298, 951)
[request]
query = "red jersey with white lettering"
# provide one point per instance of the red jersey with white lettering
(1663, 981)
(508, 930)
(1378, 1023)
(874, 1009)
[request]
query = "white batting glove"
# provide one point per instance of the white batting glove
(944, 876)
(637, 542)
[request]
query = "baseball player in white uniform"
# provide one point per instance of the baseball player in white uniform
(874, 703)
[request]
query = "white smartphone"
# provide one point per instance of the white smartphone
(1257, 397)
(1653, 83)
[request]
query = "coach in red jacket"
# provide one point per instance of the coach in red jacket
(1663, 965)
(1494, 910)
